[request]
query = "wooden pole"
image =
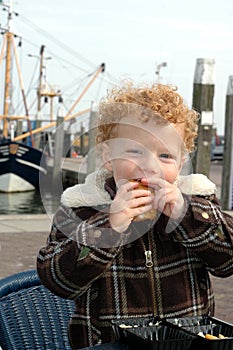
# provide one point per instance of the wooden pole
(23, 94)
(40, 80)
(9, 38)
(3, 49)
(38, 120)
(203, 94)
(58, 153)
(82, 140)
(91, 159)
(227, 176)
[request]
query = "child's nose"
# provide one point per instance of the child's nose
(150, 164)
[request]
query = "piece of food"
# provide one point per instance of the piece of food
(221, 336)
(210, 336)
(150, 214)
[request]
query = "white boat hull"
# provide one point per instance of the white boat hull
(20, 167)
(13, 183)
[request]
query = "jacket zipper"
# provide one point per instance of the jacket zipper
(149, 264)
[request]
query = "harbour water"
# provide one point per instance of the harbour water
(21, 203)
(45, 200)
(31, 202)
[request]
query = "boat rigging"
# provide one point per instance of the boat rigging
(21, 156)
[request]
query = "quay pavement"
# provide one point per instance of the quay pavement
(21, 236)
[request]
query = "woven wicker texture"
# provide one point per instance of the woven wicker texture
(31, 317)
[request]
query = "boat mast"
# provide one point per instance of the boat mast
(9, 36)
(11, 49)
(40, 80)
(44, 90)
(68, 116)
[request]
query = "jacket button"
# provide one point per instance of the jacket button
(205, 215)
(97, 233)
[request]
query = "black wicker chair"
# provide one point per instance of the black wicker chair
(31, 317)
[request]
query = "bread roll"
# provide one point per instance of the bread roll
(210, 336)
(150, 214)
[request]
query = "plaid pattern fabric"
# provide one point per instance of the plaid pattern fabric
(114, 282)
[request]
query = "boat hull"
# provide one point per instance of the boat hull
(20, 167)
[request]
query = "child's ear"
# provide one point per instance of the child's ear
(106, 157)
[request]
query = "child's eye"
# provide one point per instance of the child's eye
(134, 151)
(166, 156)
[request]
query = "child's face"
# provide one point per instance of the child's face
(145, 151)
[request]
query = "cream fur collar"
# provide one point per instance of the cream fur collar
(92, 192)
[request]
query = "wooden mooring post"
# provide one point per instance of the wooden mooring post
(91, 159)
(227, 169)
(58, 154)
(203, 94)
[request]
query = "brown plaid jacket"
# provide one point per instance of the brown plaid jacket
(105, 273)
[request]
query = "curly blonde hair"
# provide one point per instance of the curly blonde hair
(155, 101)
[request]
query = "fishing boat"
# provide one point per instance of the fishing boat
(23, 161)
(20, 166)
(20, 163)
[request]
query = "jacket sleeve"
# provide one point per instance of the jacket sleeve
(80, 248)
(207, 231)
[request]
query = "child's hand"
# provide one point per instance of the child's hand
(128, 203)
(168, 199)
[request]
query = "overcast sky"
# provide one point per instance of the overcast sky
(132, 37)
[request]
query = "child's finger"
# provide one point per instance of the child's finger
(140, 202)
(141, 210)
